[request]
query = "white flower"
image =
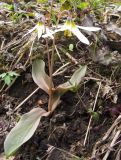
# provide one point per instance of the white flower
(41, 29)
(70, 27)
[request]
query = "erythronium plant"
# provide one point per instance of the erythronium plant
(29, 122)
(43, 81)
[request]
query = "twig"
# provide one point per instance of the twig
(58, 70)
(29, 53)
(106, 136)
(58, 53)
(2, 87)
(68, 55)
(88, 128)
(26, 99)
(112, 128)
(3, 42)
(112, 144)
(61, 150)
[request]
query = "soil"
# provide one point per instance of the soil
(61, 135)
(64, 131)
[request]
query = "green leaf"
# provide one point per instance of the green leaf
(42, 1)
(83, 5)
(74, 81)
(95, 116)
(7, 80)
(3, 75)
(66, 5)
(65, 87)
(62, 1)
(39, 75)
(71, 47)
(13, 73)
(23, 131)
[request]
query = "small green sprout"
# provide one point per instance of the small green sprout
(71, 47)
(8, 77)
(95, 115)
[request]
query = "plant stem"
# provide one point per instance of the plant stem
(50, 63)
(51, 77)
(50, 67)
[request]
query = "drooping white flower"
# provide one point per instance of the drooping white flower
(41, 29)
(70, 27)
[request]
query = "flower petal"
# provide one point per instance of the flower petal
(63, 28)
(39, 33)
(30, 30)
(80, 36)
(49, 33)
(90, 28)
(40, 30)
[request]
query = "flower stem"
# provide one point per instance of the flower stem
(50, 74)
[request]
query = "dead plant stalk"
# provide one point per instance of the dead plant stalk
(88, 128)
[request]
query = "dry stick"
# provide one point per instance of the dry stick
(62, 150)
(3, 42)
(112, 128)
(26, 98)
(30, 53)
(116, 122)
(58, 53)
(69, 56)
(118, 156)
(2, 87)
(88, 128)
(60, 69)
(112, 144)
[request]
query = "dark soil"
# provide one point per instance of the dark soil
(61, 135)
(65, 129)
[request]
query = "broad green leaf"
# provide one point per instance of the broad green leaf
(78, 75)
(70, 85)
(23, 131)
(39, 75)
(74, 81)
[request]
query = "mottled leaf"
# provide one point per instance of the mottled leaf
(65, 87)
(39, 75)
(23, 131)
(74, 81)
